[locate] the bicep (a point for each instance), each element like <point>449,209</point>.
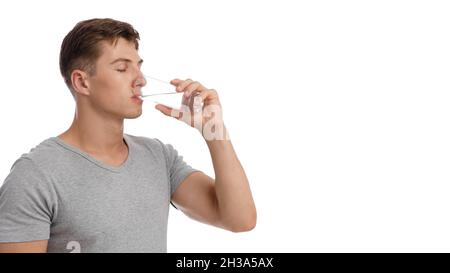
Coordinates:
<point>196,197</point>
<point>24,247</point>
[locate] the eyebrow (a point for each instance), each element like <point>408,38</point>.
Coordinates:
<point>125,60</point>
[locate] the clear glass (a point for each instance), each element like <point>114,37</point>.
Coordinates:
<point>161,91</point>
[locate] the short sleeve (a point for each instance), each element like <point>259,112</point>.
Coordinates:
<point>177,168</point>
<point>26,206</point>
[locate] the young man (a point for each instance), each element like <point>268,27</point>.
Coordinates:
<point>94,188</point>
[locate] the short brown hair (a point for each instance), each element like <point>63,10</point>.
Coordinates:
<point>80,50</point>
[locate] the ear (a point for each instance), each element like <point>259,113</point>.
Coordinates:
<point>80,82</point>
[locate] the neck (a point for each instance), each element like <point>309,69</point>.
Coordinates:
<point>95,132</point>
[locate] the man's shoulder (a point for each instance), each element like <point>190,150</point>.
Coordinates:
<point>144,142</point>
<point>44,155</point>
<point>155,146</point>
<point>37,163</point>
<point>45,150</point>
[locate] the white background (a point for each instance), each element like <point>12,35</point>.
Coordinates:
<point>338,110</point>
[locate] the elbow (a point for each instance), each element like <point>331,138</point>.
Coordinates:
<point>244,226</point>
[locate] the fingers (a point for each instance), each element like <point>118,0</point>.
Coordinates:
<point>183,84</point>
<point>175,82</point>
<point>193,87</point>
<point>208,94</point>
<point>168,111</point>
<point>190,87</point>
<point>187,86</point>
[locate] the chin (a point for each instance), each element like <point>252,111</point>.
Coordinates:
<point>133,115</point>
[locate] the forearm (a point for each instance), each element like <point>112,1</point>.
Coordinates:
<point>235,202</point>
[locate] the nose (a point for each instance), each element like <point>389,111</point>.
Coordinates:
<point>140,80</point>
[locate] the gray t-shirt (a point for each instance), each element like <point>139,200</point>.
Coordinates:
<point>60,193</point>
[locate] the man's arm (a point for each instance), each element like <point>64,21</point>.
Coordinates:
<point>225,202</point>
<point>25,247</point>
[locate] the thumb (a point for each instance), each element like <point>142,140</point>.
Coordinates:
<point>168,111</point>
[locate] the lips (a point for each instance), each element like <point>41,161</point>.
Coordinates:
<point>136,98</point>
<point>136,94</point>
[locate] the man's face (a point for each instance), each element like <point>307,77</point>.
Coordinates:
<point>117,80</point>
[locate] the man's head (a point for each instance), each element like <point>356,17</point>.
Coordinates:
<point>100,64</point>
